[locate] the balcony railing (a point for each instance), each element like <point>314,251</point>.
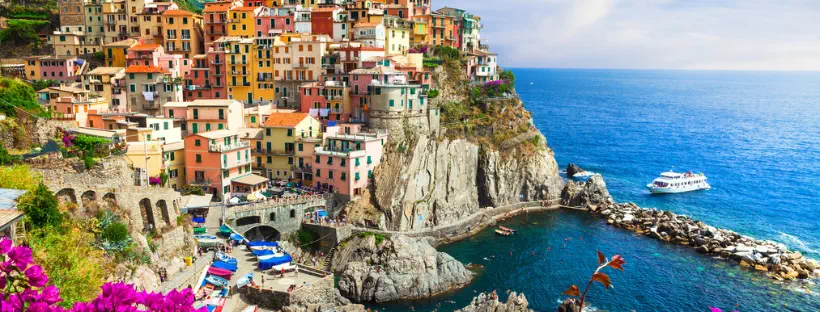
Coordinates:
<point>218,62</point>
<point>302,169</point>
<point>277,152</point>
<point>301,65</point>
<point>241,84</point>
<point>227,148</point>
<point>239,62</point>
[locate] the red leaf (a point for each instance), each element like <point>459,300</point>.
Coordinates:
<point>601,258</point>
<point>573,291</point>
<point>617,262</point>
<point>602,278</point>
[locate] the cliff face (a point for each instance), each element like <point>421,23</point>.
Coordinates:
<point>439,182</point>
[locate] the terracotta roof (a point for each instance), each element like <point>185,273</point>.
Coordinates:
<point>143,69</point>
<point>363,24</point>
<point>217,7</point>
<point>144,47</point>
<point>244,8</point>
<point>285,120</point>
<point>177,13</point>
<point>324,10</point>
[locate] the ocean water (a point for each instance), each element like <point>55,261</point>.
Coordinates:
<point>756,135</point>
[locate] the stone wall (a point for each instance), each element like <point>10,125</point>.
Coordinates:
<point>319,292</point>
<point>265,298</point>
<point>328,236</point>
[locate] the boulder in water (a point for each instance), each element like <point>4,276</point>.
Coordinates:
<point>572,169</point>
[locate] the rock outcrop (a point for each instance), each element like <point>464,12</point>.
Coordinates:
<point>570,305</point>
<point>592,193</point>
<point>572,169</point>
<point>489,303</point>
<point>427,182</point>
<point>398,267</point>
<point>326,308</point>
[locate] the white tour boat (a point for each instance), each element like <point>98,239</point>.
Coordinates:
<point>674,182</point>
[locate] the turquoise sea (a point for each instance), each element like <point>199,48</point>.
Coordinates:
<point>756,135</point>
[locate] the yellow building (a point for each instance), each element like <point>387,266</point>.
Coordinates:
<point>145,156</point>
<point>241,21</point>
<point>183,33</point>
<point>420,32</point>
<point>397,35</point>
<point>286,134</point>
<point>33,67</point>
<point>174,163</point>
<point>115,52</point>
<point>249,68</point>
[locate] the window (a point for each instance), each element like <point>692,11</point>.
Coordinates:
<point>197,142</point>
<point>330,174</point>
<point>318,173</point>
<point>391,102</point>
<point>269,159</point>
<point>318,159</point>
<point>196,113</point>
<point>198,158</point>
<point>369,161</point>
<point>300,147</point>
<point>293,213</point>
<point>165,126</point>
<point>357,162</point>
<point>253,119</point>
<point>329,160</point>
<point>344,176</point>
<point>343,162</point>
<point>267,131</point>
<point>357,176</point>
<point>226,189</point>
<point>224,174</point>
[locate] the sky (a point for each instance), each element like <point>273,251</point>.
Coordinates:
<point>651,34</point>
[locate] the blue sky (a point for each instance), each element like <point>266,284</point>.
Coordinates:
<point>651,34</point>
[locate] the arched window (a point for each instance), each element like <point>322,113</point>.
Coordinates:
<point>272,217</point>
<point>293,213</point>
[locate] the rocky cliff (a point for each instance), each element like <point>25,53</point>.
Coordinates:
<point>383,269</point>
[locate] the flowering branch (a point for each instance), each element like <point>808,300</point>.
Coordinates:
<point>616,262</point>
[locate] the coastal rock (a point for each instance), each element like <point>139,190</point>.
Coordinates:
<point>570,305</point>
<point>591,193</point>
<point>325,308</point>
<point>572,169</point>
<point>399,267</point>
<point>489,303</point>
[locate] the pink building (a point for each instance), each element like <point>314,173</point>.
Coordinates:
<point>328,101</point>
<point>60,68</point>
<point>272,21</point>
<point>206,115</point>
<point>346,162</point>
<point>146,54</point>
<point>220,163</point>
<point>352,55</point>
<point>206,79</point>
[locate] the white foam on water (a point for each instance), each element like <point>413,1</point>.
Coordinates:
<point>799,244</point>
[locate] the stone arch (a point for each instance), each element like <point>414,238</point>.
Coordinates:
<point>163,208</point>
<point>147,212</point>
<point>272,217</point>
<point>248,220</point>
<point>264,233</point>
<point>88,196</point>
<point>111,198</point>
<point>66,195</point>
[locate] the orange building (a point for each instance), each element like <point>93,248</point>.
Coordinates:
<point>183,33</point>
<point>220,163</point>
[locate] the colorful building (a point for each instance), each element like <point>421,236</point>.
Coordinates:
<point>150,21</point>
<point>249,68</point>
<point>397,35</point>
<point>215,20</point>
<point>115,21</point>
<point>109,83</point>
<point>60,68</point>
<point>346,161</point>
<point>298,59</point>
<point>220,163</point>
<point>241,21</point>
<point>116,52</point>
<point>183,33</point>
<point>206,115</point>
<point>150,87</point>
<point>72,102</point>
<point>329,101</point>
<point>369,34</point>
<point>173,161</point>
<point>322,19</point>
<point>94,29</point>
<point>285,135</point>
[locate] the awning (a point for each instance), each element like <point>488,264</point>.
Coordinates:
<point>250,179</point>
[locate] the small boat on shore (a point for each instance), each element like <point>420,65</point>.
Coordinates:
<point>674,182</point>
<point>502,232</point>
<point>506,229</point>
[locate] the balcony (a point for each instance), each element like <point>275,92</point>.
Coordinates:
<point>234,72</point>
<point>239,62</point>
<point>218,62</point>
<point>301,65</point>
<point>241,84</point>
<point>186,37</point>
<point>278,152</point>
<point>218,21</point>
<point>150,106</point>
<point>220,148</point>
<point>302,169</point>
<point>264,78</point>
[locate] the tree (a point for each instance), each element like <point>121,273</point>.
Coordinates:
<point>508,77</point>
<point>42,84</point>
<point>115,232</point>
<point>40,206</point>
<point>5,158</point>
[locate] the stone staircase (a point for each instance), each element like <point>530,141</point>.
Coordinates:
<point>328,258</point>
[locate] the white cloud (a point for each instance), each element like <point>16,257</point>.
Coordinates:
<point>686,34</point>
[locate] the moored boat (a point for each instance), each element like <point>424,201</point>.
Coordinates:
<point>513,231</point>
<point>502,232</point>
<point>674,182</point>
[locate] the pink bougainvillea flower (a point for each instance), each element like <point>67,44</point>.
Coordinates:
<point>20,256</point>
<point>36,276</point>
<point>5,246</point>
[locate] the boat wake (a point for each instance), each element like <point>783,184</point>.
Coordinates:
<point>797,243</point>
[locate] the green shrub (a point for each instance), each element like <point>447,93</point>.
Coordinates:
<point>16,93</point>
<point>5,158</point>
<point>88,161</point>
<point>40,206</point>
<point>115,232</point>
<point>191,190</point>
<point>433,93</point>
<point>379,237</point>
